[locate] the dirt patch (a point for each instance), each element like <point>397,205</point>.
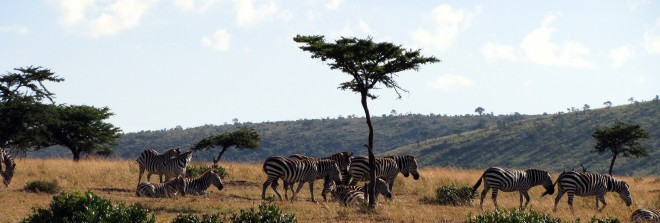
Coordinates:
<point>114,189</point>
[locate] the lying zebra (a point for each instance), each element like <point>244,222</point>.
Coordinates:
<point>355,195</point>
<point>199,185</point>
<point>163,190</point>
<point>645,216</point>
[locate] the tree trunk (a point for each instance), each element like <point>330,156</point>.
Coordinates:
<point>372,159</point>
<point>76,155</point>
<point>215,161</point>
<point>612,164</point>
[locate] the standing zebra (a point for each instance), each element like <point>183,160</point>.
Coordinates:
<point>199,185</point>
<point>341,192</point>
<point>291,171</point>
<point>343,159</point>
<point>164,190</point>
<point>385,167</point>
<point>590,184</point>
<point>8,173</point>
<point>645,216</point>
<point>154,163</point>
<point>509,180</point>
<point>177,166</point>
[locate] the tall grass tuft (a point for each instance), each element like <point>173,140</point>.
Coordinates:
<point>451,195</point>
<point>268,212</point>
<point>42,186</point>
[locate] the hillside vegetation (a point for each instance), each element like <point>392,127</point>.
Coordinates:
<point>550,141</point>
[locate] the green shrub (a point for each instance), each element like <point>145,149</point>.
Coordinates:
<point>268,212</point>
<point>188,218</point>
<point>198,170</point>
<point>42,186</point>
<point>78,207</point>
<point>512,216</point>
<point>454,195</point>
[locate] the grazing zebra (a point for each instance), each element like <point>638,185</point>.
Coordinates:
<point>177,166</point>
<point>199,185</point>
<point>343,159</point>
<point>164,190</point>
<point>154,163</point>
<point>8,173</point>
<point>341,192</point>
<point>291,171</point>
<point>509,180</point>
<point>645,216</point>
<point>590,184</point>
<point>386,168</point>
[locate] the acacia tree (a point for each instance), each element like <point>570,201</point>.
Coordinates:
<point>81,129</point>
<point>621,139</point>
<point>369,64</point>
<point>479,110</point>
<point>241,139</point>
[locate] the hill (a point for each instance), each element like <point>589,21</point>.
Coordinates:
<point>554,142</point>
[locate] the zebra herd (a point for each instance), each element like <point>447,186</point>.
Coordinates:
<point>341,173</point>
<point>172,164</point>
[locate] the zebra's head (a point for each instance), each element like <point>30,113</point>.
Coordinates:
<point>623,189</point>
<point>408,165</point>
<point>383,188</point>
<point>216,179</point>
<point>541,177</point>
<point>173,152</point>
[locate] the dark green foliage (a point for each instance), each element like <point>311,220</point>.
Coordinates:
<point>452,195</point>
<point>622,138</point>
<point>194,171</point>
<point>189,218</point>
<point>268,212</point>
<point>242,138</point>
<point>87,207</point>
<point>512,216</point>
<point>42,186</point>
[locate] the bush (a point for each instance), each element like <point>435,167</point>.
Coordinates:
<point>454,195</point>
<point>268,212</point>
<point>198,170</point>
<point>77,207</point>
<point>512,216</point>
<point>42,186</point>
<point>188,218</point>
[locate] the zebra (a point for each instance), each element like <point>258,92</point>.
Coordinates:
<point>153,162</point>
<point>343,159</point>
<point>341,192</point>
<point>590,184</point>
<point>509,180</point>
<point>645,216</point>
<point>163,190</point>
<point>291,171</point>
<point>177,166</point>
<point>10,165</point>
<point>199,185</point>
<point>352,198</point>
<point>386,168</point>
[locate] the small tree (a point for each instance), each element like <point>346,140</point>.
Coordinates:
<point>608,104</point>
<point>585,108</point>
<point>369,64</point>
<point>479,110</point>
<point>242,138</point>
<point>621,139</point>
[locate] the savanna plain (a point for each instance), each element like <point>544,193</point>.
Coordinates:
<point>117,179</point>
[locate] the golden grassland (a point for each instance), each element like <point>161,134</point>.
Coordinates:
<point>117,179</point>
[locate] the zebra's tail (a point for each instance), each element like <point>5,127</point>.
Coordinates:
<point>476,186</point>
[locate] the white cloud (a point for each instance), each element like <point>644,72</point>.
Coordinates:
<point>333,4</point>
<point>185,5</point>
<point>248,15</point>
<point>102,18</point>
<point>636,4</point>
<point>447,24</point>
<point>450,81</point>
<point>363,29</point>
<point>219,40</point>
<point>493,52</point>
<point>539,49</point>
<point>620,55</point>
<point>652,38</point>
<point>197,5</point>
<point>14,29</point>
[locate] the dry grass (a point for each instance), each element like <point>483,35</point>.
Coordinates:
<point>116,180</point>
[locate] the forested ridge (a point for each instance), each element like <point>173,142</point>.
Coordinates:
<point>550,141</point>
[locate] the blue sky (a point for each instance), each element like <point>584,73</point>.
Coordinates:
<point>158,64</point>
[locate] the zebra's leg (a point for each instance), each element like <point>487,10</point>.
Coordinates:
<point>602,199</point>
<point>286,190</point>
<point>140,176</point>
<point>300,185</point>
<point>495,189</point>
<point>483,195</point>
<point>560,193</point>
<point>149,176</point>
<point>274,186</point>
<point>311,189</point>
<point>526,195</point>
<point>571,195</point>
<point>268,182</point>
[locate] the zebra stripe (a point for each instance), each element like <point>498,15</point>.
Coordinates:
<point>163,190</point>
<point>199,185</point>
<point>407,165</point>
<point>343,159</point>
<point>292,171</point>
<point>341,192</point>
<point>509,180</point>
<point>385,168</point>
<point>10,165</point>
<point>177,166</point>
<point>645,216</point>
<point>352,198</point>
<point>154,163</point>
<point>590,184</point>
